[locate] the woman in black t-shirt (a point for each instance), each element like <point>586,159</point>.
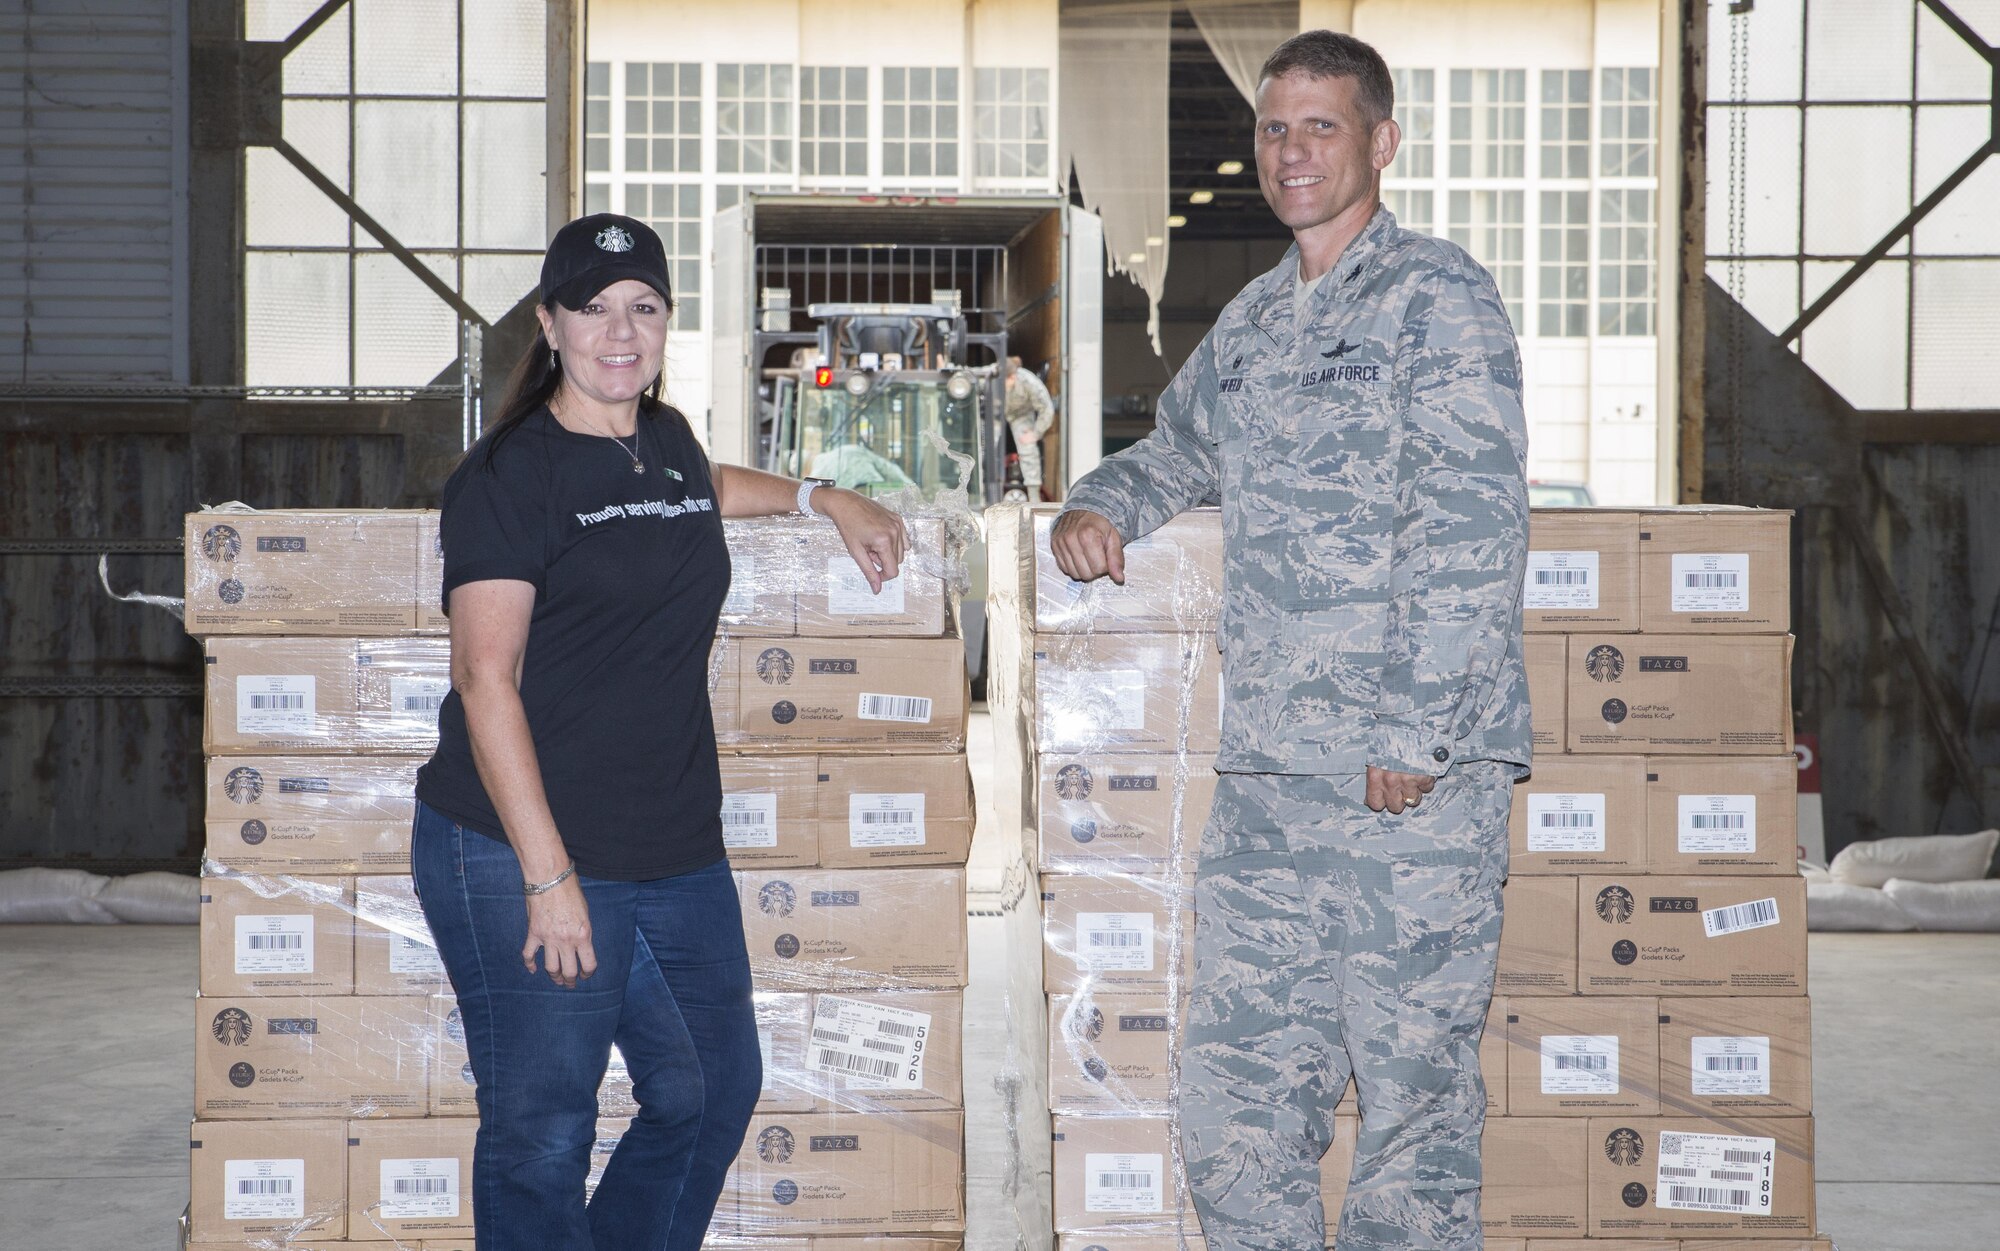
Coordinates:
<point>568,841</point>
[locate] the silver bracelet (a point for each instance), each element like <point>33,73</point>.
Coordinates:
<point>806,488</point>
<point>543,888</point>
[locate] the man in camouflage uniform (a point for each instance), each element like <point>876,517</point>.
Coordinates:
<point>1030,413</point>
<point>1357,412</point>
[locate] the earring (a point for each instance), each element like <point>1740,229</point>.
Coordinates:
<point>553,363</point>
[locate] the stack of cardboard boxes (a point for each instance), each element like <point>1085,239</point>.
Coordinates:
<point>1649,1033</point>
<point>334,1100</point>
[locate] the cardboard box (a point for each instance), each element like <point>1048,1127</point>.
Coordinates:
<point>1535,1176</point>
<point>862,1051</point>
<point>1757,1244</point>
<point>770,811</point>
<point>846,695</point>
<point>277,936</point>
<point>1537,936</point>
<point>824,1172</point>
<point>269,1179</point>
<point>1583,570</point>
<point>1112,932</point>
<point>1578,1057</point>
<point>431,618</point>
<point>1681,694</point>
<point>1579,814</point>
<point>306,571</point>
<point>886,811</point>
<point>1686,1176</point>
<point>834,599</point>
<point>410,1178</point>
<point>1608,1244</point>
<point>854,929</point>
<point>1106,811</point>
<point>454,1090</point>
<point>1691,936</point>
<point>264,1059</point>
<point>1135,1155</point>
<point>1715,569</point>
<point>1736,1057</point>
<point>764,573</point>
<point>326,815</point>
<point>1722,814</point>
<point>1143,1242</point>
<point>1108,1055</point>
<point>394,953</point>
<point>324,695</point>
<point>1547,658</point>
<point>1173,581</point>
<point>1096,693</point>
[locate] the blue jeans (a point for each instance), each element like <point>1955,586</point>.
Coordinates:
<point>672,989</point>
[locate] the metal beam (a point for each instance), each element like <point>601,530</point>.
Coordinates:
<point>1691,239</point>
<point>1931,426</point>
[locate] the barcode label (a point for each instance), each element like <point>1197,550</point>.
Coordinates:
<point>1708,582</point>
<point>1579,1064</point>
<point>914,709</point>
<point>1565,823</point>
<point>890,819</point>
<point>1755,915</point>
<point>847,593</point>
<point>870,1045</point>
<point>1561,580</point>
<point>415,1189</point>
<point>1114,942</point>
<point>1716,1173</point>
<point>1079,709</point>
<point>260,1190</point>
<point>1714,825</point>
<point>413,954</point>
<point>277,704</point>
<point>1121,1182</point>
<point>749,819</point>
<point>417,699</point>
<point>742,598</point>
<point>267,944</point>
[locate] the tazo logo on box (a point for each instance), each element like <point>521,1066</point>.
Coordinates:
<point>1147,1024</point>
<point>1663,664</point>
<point>1673,903</point>
<point>1135,782</point>
<point>836,899</point>
<point>774,666</point>
<point>1604,663</point>
<point>834,1142</point>
<point>1624,1147</point>
<point>281,543</point>
<point>833,666</point>
<point>1614,904</point>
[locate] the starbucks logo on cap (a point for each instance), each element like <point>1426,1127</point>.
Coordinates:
<point>614,239</point>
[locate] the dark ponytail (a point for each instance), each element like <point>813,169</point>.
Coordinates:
<point>536,378</point>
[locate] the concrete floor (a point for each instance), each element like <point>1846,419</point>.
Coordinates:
<point>96,1031</point>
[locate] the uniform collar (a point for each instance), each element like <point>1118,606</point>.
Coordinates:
<point>1272,312</point>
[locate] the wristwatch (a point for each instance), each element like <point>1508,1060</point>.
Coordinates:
<point>806,488</point>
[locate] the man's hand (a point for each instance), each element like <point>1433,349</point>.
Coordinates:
<point>1087,546</point>
<point>1396,791</point>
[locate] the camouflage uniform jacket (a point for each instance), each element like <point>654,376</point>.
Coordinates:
<point>1371,471</point>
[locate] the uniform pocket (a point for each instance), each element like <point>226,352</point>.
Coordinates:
<point>1340,484</point>
<point>1447,937</point>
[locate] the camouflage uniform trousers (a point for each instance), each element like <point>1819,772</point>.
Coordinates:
<point>1028,443</point>
<point>1331,940</point>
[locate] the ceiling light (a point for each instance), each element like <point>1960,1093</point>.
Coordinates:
<point>1230,167</point>
<point>1137,258</point>
<point>1176,221</point>
<point>1200,197</point>
<point>1155,241</point>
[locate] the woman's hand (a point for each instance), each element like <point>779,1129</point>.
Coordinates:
<point>875,537</point>
<point>559,927</point>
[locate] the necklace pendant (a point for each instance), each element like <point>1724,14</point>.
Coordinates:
<point>637,467</point>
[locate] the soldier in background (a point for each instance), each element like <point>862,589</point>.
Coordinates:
<point>1357,410</point>
<point>1030,413</point>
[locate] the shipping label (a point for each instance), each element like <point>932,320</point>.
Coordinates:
<point>1561,580</point>
<point>263,1190</point>
<point>749,819</point>
<point>1718,824</point>
<point>1558,822</point>
<point>1754,915</point>
<point>1730,1064</point>
<point>409,953</point>
<point>276,704</point>
<point>419,1189</point>
<point>418,699</point>
<point>873,1046</point>
<point>1116,1181</point>
<point>1711,582</point>
<point>847,593</point>
<point>1114,942</point>
<point>1716,1173</point>
<point>885,819</point>
<point>1579,1064</point>
<point>914,709</point>
<point>267,943</point>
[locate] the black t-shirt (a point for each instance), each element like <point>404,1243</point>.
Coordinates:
<point>630,572</point>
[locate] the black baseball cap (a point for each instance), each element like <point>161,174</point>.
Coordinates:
<point>593,252</point>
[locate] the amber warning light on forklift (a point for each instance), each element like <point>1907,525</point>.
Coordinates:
<point>823,376</point>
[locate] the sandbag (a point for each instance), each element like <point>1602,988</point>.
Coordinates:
<point>1966,907</point>
<point>154,899</point>
<point>52,897</point>
<point>1836,906</point>
<point>1929,858</point>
